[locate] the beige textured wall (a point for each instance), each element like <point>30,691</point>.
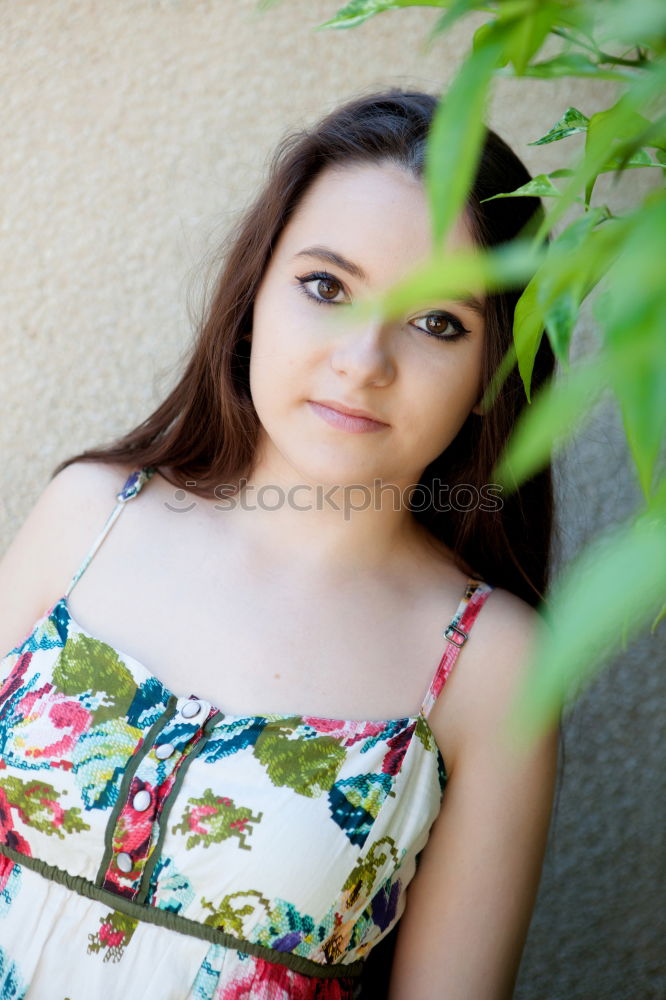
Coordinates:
<point>132,133</point>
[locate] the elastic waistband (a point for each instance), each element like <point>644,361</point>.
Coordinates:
<point>183,925</point>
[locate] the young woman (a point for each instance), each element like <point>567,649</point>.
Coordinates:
<point>235,757</point>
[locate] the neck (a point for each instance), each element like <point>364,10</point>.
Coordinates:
<point>333,529</point>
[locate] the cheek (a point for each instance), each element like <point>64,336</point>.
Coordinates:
<point>281,329</point>
<point>277,367</point>
<point>445,405</point>
<point>285,356</point>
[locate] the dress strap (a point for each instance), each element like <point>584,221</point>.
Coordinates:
<point>457,633</point>
<point>132,486</point>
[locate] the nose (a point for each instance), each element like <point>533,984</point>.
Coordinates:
<point>365,353</point>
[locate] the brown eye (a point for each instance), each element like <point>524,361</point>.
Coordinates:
<point>436,324</point>
<point>328,288</point>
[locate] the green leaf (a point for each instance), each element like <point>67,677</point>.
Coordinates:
<point>358,11</point>
<point>513,10</point>
<point>552,418</point>
<point>529,29</point>
<point>633,316</point>
<point>611,131</point>
<point>573,264</point>
<point>642,91</point>
<point>641,393</point>
<point>660,617</point>
<point>572,121</point>
<point>573,235</point>
<point>559,407</point>
<point>561,315</point>
<point>633,23</point>
<point>611,590</point>
<point>455,275</point>
<point>540,186</point>
<point>636,281</point>
<point>456,136</point>
<point>640,158</point>
<point>573,64</point>
<point>528,324</point>
<point>653,135</point>
<point>456,10</point>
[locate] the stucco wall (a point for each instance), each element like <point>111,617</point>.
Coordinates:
<point>132,134</point>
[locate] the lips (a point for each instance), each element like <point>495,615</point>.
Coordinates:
<point>348,410</point>
<point>346,422</point>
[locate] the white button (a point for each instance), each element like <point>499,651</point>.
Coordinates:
<point>124,862</point>
<point>164,750</point>
<point>190,709</point>
<point>141,800</point>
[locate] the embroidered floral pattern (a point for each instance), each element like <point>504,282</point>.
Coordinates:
<point>303,761</point>
<point>10,882</point>
<point>12,984</point>
<point>212,818</point>
<point>114,934</point>
<point>36,803</point>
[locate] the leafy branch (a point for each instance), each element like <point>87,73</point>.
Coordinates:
<point>618,583</point>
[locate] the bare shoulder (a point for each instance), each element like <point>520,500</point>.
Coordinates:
<point>488,673</point>
<point>76,502</point>
<point>53,540</point>
<point>86,486</point>
<point>505,627</point>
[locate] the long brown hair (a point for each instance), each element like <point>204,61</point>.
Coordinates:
<point>206,430</point>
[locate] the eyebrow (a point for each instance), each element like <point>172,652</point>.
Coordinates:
<point>337,260</point>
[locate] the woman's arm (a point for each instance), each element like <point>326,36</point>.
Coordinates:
<point>469,906</point>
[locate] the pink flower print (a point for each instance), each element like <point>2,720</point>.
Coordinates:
<point>198,812</point>
<point>15,679</point>
<point>398,745</point>
<point>113,936</point>
<point>277,982</point>
<point>8,835</point>
<point>246,988</point>
<point>6,869</point>
<point>347,731</point>
<point>210,819</point>
<point>51,726</point>
<point>110,937</point>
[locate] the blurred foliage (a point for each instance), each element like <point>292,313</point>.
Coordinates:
<point>617,584</point>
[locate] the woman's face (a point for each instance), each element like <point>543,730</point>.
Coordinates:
<point>420,373</point>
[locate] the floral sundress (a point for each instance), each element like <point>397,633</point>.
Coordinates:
<point>153,847</point>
